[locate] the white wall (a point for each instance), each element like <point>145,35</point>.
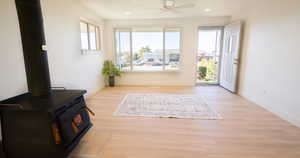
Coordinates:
<point>271,58</point>
<point>12,72</point>
<point>68,67</point>
<point>187,74</point>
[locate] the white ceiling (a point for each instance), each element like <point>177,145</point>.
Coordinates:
<point>144,9</point>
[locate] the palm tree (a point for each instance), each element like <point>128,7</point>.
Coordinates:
<point>144,50</point>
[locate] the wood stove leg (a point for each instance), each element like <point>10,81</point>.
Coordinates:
<point>2,155</point>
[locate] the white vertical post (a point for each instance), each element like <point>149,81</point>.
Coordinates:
<point>164,49</point>
<point>131,51</point>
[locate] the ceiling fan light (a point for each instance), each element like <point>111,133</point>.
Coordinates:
<point>169,3</point>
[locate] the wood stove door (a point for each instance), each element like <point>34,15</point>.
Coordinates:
<point>73,122</point>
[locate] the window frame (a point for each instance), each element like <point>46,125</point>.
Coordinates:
<point>98,33</point>
<point>129,29</point>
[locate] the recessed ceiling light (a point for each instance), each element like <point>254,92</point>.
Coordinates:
<point>207,10</point>
<point>127,13</point>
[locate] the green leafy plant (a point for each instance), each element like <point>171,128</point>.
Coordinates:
<point>110,69</point>
<point>211,69</point>
<point>202,72</point>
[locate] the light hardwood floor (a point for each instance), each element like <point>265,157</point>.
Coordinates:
<point>246,131</point>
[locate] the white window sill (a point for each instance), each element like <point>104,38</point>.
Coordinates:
<point>91,52</point>
<point>150,71</point>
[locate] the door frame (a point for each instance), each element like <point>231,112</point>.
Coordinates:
<point>220,56</point>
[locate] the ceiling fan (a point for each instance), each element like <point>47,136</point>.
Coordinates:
<point>171,6</point>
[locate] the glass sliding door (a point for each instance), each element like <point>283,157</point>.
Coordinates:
<point>208,55</point>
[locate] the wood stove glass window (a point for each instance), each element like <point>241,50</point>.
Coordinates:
<point>90,36</point>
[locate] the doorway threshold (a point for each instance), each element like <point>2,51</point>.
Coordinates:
<point>207,84</point>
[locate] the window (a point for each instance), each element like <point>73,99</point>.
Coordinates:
<point>148,49</point>
<point>90,36</point>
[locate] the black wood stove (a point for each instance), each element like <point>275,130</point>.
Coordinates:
<point>43,123</point>
<point>43,127</point>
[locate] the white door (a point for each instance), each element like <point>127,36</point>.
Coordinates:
<point>230,56</point>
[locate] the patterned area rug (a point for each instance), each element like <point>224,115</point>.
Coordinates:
<point>166,105</point>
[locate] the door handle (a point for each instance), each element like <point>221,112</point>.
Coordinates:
<point>236,61</point>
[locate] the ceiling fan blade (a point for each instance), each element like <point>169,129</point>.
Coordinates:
<point>151,8</point>
<point>185,6</point>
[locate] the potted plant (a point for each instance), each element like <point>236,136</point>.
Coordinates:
<point>202,72</point>
<point>110,71</point>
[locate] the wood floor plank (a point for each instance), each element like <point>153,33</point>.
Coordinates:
<point>246,131</point>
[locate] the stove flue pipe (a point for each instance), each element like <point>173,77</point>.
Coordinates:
<point>34,46</point>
